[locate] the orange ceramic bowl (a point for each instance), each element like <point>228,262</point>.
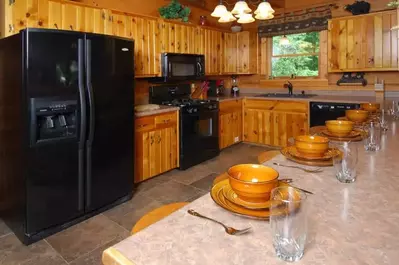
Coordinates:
<point>253,183</point>
<point>311,146</point>
<point>371,107</point>
<point>356,115</point>
<point>339,128</point>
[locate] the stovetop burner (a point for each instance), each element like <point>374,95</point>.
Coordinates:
<point>183,102</point>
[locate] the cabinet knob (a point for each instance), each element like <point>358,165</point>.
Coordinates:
<point>27,14</point>
<point>40,23</point>
<point>55,25</point>
<point>70,26</point>
<point>11,28</point>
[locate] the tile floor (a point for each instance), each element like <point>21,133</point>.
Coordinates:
<point>84,242</point>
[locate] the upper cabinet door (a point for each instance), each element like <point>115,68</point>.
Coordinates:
<point>72,17</point>
<point>97,20</point>
<point>363,43</point>
<point>247,60</point>
<point>213,42</point>
<point>229,50</point>
<point>178,38</point>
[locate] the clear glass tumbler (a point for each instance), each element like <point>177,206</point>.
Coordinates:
<point>372,142</point>
<point>288,220</point>
<point>383,121</point>
<point>346,163</point>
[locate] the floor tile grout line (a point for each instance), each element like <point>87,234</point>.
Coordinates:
<point>115,222</point>
<point>59,254</point>
<point>10,233</point>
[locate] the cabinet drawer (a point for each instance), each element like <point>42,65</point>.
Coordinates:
<point>168,118</point>
<point>260,104</point>
<point>230,106</point>
<point>145,123</point>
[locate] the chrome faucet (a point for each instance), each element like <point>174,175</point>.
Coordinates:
<point>290,87</point>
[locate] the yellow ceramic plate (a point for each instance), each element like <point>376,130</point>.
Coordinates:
<point>231,196</point>
<point>219,198</point>
<point>352,134</point>
<point>331,153</point>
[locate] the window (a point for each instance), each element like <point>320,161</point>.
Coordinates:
<point>299,58</point>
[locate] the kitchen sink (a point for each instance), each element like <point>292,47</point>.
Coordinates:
<point>286,95</point>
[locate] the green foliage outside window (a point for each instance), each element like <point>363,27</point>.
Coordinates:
<point>300,57</point>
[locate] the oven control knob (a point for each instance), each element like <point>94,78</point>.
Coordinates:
<point>190,110</point>
<point>195,110</point>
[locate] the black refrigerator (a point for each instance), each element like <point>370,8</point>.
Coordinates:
<point>66,130</point>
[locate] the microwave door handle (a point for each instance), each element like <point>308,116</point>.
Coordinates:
<point>199,67</point>
<point>170,69</point>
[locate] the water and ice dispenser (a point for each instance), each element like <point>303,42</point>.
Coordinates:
<point>52,119</point>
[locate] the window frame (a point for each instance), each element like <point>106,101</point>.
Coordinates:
<point>271,56</point>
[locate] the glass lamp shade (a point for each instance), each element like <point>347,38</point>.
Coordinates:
<point>284,41</point>
<point>264,8</point>
<point>261,16</point>
<point>227,17</point>
<point>241,7</point>
<point>246,18</point>
<point>219,11</point>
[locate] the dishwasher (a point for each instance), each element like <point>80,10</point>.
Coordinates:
<point>320,112</point>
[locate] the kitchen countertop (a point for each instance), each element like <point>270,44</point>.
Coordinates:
<point>162,109</point>
<point>322,98</point>
<point>353,223</point>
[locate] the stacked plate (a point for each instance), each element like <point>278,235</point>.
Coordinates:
<point>325,160</point>
<point>223,195</point>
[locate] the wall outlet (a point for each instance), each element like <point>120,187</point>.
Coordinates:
<point>236,139</point>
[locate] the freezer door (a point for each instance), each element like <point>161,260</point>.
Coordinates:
<point>54,186</point>
<point>110,97</point>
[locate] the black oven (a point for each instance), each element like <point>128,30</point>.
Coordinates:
<point>199,127</point>
<point>177,67</point>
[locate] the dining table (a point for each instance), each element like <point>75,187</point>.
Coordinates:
<point>348,223</point>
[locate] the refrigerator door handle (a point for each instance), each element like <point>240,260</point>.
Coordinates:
<point>82,134</point>
<point>91,123</point>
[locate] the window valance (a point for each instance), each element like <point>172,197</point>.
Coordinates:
<point>314,19</point>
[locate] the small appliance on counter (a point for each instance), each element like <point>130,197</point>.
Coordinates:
<point>216,88</point>
<point>199,123</point>
<point>235,91</point>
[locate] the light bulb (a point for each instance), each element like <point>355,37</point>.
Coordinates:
<point>219,11</point>
<point>241,7</point>
<point>246,18</point>
<point>226,18</point>
<point>284,41</point>
<point>264,17</point>
<point>264,8</point>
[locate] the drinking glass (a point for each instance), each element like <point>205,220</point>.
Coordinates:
<point>345,164</point>
<point>383,121</point>
<point>373,136</point>
<point>288,220</point>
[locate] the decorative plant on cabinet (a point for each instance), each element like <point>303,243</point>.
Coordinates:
<point>175,10</point>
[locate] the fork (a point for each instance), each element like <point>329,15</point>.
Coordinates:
<point>229,230</point>
<point>317,170</point>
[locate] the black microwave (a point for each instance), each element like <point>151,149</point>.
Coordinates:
<point>177,66</point>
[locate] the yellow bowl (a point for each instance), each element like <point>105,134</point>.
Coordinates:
<point>251,182</point>
<point>339,128</point>
<point>356,115</point>
<point>371,107</point>
<point>311,146</point>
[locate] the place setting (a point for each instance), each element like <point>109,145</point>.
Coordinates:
<point>310,150</point>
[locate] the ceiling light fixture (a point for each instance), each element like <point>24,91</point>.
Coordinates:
<point>242,11</point>
<point>227,17</point>
<point>220,10</point>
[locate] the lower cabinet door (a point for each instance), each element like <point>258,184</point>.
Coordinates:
<point>156,152</point>
<point>288,125</point>
<point>258,126</point>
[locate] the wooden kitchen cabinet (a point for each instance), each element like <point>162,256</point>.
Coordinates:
<point>363,43</point>
<point>229,50</point>
<point>273,122</point>
<point>213,55</point>
<point>156,145</point>
<point>179,38</point>
<point>239,53</point>
<point>230,123</point>
<point>247,52</point>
